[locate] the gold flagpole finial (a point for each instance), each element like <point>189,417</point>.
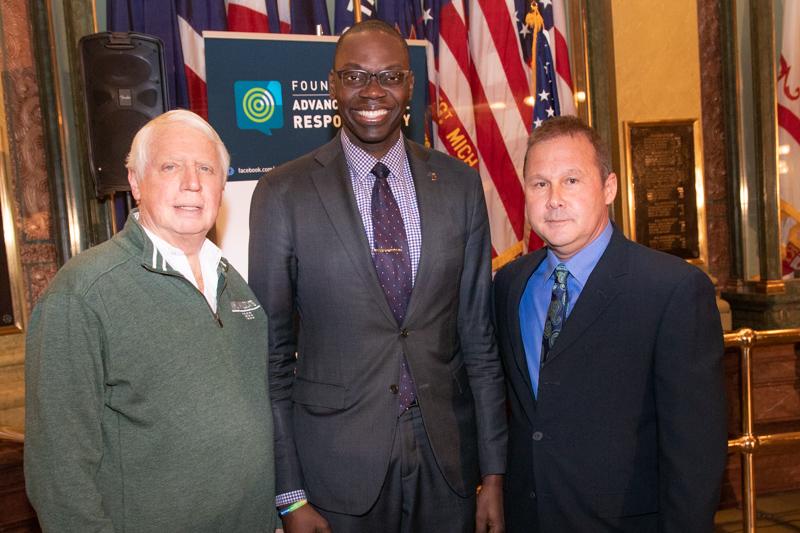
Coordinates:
<point>356,11</point>
<point>535,22</point>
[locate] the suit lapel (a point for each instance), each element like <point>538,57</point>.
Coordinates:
<point>513,325</point>
<point>604,284</point>
<point>428,199</point>
<point>332,181</point>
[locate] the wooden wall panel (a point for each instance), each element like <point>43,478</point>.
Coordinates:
<point>16,514</point>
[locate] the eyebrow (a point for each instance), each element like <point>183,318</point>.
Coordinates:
<point>573,171</point>
<point>356,66</point>
<point>183,159</point>
<point>569,171</point>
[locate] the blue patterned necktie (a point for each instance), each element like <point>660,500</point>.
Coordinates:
<point>557,312</point>
<point>392,264</point>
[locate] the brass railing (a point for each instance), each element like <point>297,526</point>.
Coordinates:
<point>749,443</point>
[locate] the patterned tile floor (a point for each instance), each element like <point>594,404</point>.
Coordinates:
<point>777,513</point>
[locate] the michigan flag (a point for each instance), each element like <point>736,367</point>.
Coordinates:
<point>789,136</point>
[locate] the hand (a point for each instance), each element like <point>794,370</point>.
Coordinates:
<point>305,520</point>
<point>489,506</point>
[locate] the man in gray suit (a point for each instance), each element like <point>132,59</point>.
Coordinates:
<point>372,258</point>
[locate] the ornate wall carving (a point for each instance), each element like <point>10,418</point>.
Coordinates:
<point>28,163</point>
<point>29,190</point>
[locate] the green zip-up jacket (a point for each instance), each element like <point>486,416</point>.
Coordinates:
<point>146,410</point>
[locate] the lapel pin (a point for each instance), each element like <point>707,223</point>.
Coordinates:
<point>434,177</point>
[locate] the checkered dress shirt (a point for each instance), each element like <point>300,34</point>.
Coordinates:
<point>360,164</point>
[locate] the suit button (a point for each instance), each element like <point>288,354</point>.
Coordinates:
<point>394,389</point>
<point>404,333</point>
<point>532,495</point>
<point>537,435</point>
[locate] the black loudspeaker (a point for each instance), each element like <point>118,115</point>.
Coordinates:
<point>125,85</point>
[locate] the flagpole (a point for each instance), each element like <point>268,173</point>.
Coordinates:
<point>357,11</point>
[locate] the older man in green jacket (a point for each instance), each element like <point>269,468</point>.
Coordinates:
<point>147,404</point>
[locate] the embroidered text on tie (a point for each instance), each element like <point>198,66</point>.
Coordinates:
<point>392,263</point>
<point>557,312</point>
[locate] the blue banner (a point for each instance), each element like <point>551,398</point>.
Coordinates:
<point>268,98</point>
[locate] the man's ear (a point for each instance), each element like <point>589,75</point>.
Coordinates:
<point>610,188</point>
<point>134,183</point>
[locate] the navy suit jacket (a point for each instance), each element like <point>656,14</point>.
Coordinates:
<point>335,405</point>
<point>628,432</point>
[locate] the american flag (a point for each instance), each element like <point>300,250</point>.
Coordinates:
<point>481,86</point>
<point>258,16</point>
<point>551,48</point>
<point>250,16</point>
<point>345,16</point>
<point>405,16</point>
<point>545,93</point>
<point>194,17</point>
<point>484,96</point>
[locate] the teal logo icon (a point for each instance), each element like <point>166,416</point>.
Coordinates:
<point>259,105</point>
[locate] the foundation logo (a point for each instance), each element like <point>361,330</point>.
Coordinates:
<point>259,105</point>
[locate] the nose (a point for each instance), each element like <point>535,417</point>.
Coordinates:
<point>555,199</point>
<point>190,179</point>
<point>372,89</point>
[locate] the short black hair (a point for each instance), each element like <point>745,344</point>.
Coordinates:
<point>371,25</point>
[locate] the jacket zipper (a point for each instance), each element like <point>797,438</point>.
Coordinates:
<point>214,314</point>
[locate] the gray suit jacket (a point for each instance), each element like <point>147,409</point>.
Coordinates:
<point>334,407</point>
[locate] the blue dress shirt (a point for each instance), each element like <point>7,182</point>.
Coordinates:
<point>536,297</point>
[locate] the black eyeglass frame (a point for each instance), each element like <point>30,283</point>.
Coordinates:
<point>370,75</point>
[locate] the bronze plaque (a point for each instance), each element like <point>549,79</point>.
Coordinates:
<point>662,169</point>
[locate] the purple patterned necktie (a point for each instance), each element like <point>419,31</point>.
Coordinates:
<point>392,263</point>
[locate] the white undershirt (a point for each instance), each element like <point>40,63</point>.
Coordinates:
<point>210,256</point>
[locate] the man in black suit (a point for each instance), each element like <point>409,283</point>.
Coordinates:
<point>372,258</point>
<point>613,360</point>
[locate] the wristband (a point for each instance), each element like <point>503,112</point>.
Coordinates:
<point>295,506</point>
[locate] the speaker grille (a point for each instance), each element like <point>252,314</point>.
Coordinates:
<point>122,69</point>
<point>124,82</point>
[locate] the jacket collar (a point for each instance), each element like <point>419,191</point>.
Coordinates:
<point>603,285</point>
<point>133,238</point>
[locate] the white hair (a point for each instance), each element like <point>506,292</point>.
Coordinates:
<point>138,156</point>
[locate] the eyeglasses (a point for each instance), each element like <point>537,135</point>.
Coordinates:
<point>360,78</point>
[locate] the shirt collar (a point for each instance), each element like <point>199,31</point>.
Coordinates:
<point>581,264</point>
<point>210,254</point>
<point>360,162</point>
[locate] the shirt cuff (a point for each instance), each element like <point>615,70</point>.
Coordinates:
<point>288,498</point>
